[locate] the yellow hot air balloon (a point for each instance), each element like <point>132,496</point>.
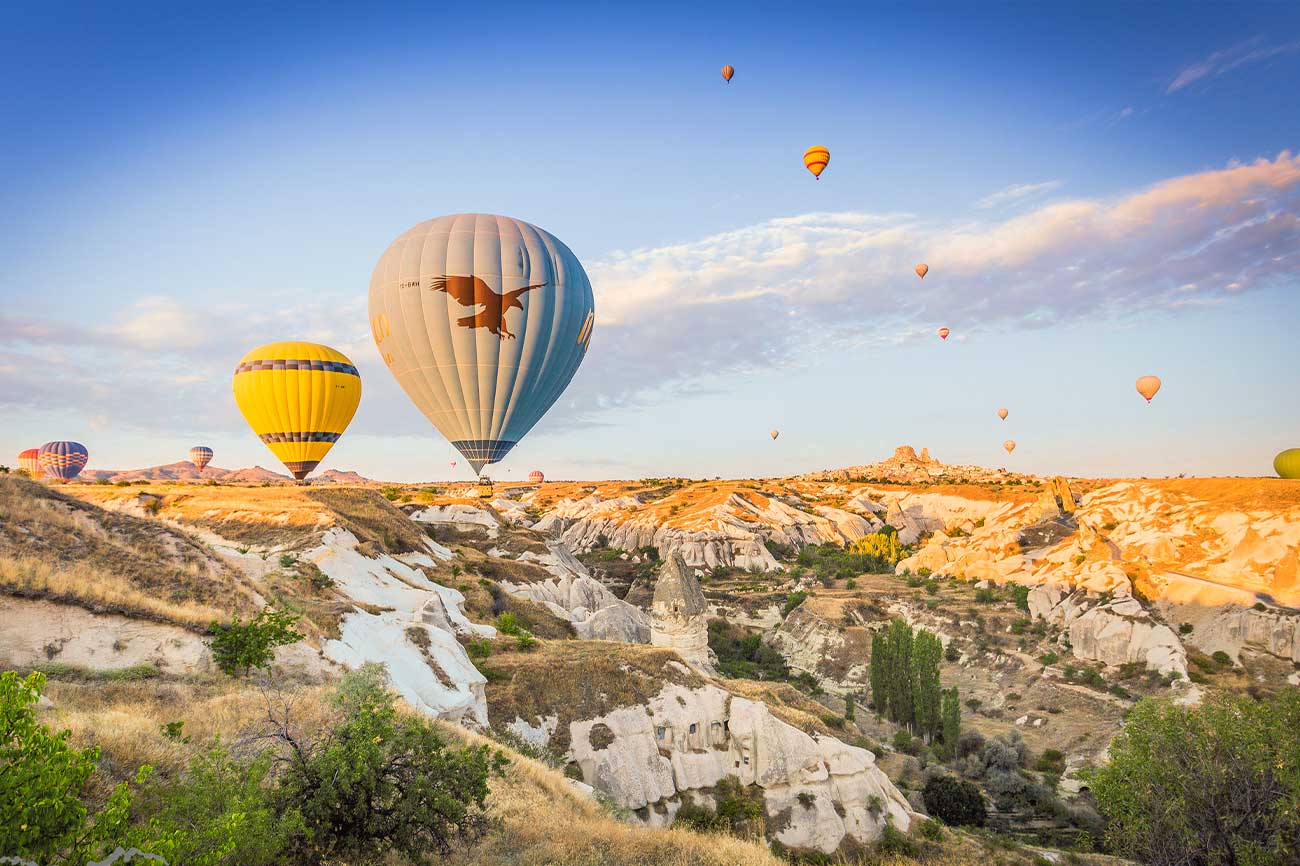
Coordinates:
<point>1147,386</point>
<point>298,398</point>
<point>1010,445</point>
<point>1003,413</point>
<point>815,159</point>
<point>922,269</point>
<point>728,71</point>
<point>776,433</point>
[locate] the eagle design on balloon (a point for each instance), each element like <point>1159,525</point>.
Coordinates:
<point>471,291</point>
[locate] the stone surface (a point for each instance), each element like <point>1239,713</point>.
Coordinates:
<point>679,615</point>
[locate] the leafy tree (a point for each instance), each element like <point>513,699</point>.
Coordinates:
<point>899,672</point>
<point>879,687</point>
<point>381,781</point>
<point>241,646</point>
<point>927,649</point>
<point>1214,785</point>
<point>850,707</point>
<point>954,800</point>
<point>950,715</point>
<point>42,813</point>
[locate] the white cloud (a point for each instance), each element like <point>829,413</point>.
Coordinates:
<point>1017,193</point>
<point>1220,62</point>
<point>695,314</point>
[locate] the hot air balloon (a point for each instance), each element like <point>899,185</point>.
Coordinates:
<point>1287,463</point>
<point>451,463</point>
<point>298,397</point>
<point>63,460</point>
<point>943,333</point>
<point>30,462</point>
<point>727,72</point>
<point>483,320</point>
<point>1147,386</point>
<point>776,433</point>
<point>815,159</point>
<point>1002,413</point>
<point>536,476</point>
<point>922,269</point>
<point>1010,445</point>
<point>200,456</point>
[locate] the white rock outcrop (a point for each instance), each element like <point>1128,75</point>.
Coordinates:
<point>816,790</point>
<point>573,594</point>
<point>1114,632</point>
<point>679,615</point>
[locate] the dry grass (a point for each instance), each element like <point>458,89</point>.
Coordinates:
<point>100,591</point>
<point>58,547</point>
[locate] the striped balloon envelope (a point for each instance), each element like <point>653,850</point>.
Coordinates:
<point>483,320</point>
<point>536,476</point>
<point>815,159</point>
<point>63,460</point>
<point>299,398</point>
<point>29,461</point>
<point>200,456</point>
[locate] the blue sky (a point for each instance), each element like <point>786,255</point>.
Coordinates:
<point>1101,191</point>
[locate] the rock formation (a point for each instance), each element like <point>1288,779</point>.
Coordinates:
<point>816,790</point>
<point>906,467</point>
<point>679,615</point>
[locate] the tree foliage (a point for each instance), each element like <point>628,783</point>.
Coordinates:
<point>1212,785</point>
<point>904,681</point>
<point>241,646</point>
<point>954,800</point>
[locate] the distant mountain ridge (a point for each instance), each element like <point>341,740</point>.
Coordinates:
<point>184,470</point>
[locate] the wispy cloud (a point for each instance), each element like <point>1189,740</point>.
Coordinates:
<point>1220,62</point>
<point>1017,193</point>
<point>771,295</point>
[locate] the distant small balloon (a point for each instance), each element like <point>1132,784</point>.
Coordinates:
<point>536,476</point>
<point>451,463</point>
<point>943,333</point>
<point>200,456</point>
<point>1147,386</point>
<point>776,433</point>
<point>922,269</point>
<point>1010,445</point>
<point>1287,463</point>
<point>728,71</point>
<point>1002,413</point>
<point>815,159</point>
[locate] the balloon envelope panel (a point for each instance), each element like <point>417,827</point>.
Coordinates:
<point>483,320</point>
<point>30,461</point>
<point>63,460</point>
<point>298,398</point>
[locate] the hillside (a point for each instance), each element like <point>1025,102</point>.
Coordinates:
<point>667,643</point>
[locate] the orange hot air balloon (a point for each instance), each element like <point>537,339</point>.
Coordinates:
<point>1148,386</point>
<point>727,72</point>
<point>1010,445</point>
<point>776,433</point>
<point>943,333</point>
<point>1002,413</point>
<point>922,269</point>
<point>815,159</point>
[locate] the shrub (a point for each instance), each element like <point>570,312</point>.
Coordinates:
<point>524,641</point>
<point>851,583</point>
<point>1020,595</point>
<point>41,812</point>
<point>1051,761</point>
<point>1049,658</point>
<point>1221,778</point>
<point>381,782</point>
<point>985,595</point>
<point>508,624</point>
<point>288,560</point>
<point>240,647</point>
<point>1222,658</point>
<point>1185,628</point>
<point>951,653</point>
<point>792,601</point>
<point>479,649</point>
<point>742,655</point>
<point>955,801</point>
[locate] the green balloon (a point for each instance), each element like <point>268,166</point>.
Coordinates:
<point>1287,464</point>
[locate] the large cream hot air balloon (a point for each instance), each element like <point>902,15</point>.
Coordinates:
<point>815,159</point>
<point>1147,386</point>
<point>776,433</point>
<point>922,269</point>
<point>727,72</point>
<point>299,398</point>
<point>1002,413</point>
<point>483,320</point>
<point>1010,445</point>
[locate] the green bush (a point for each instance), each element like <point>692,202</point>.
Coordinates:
<point>508,624</point>
<point>382,782</point>
<point>525,642</point>
<point>792,601</point>
<point>955,801</point>
<point>1222,658</point>
<point>42,814</point>
<point>1222,778</point>
<point>240,647</point>
<point>479,649</point>
<point>742,655</point>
